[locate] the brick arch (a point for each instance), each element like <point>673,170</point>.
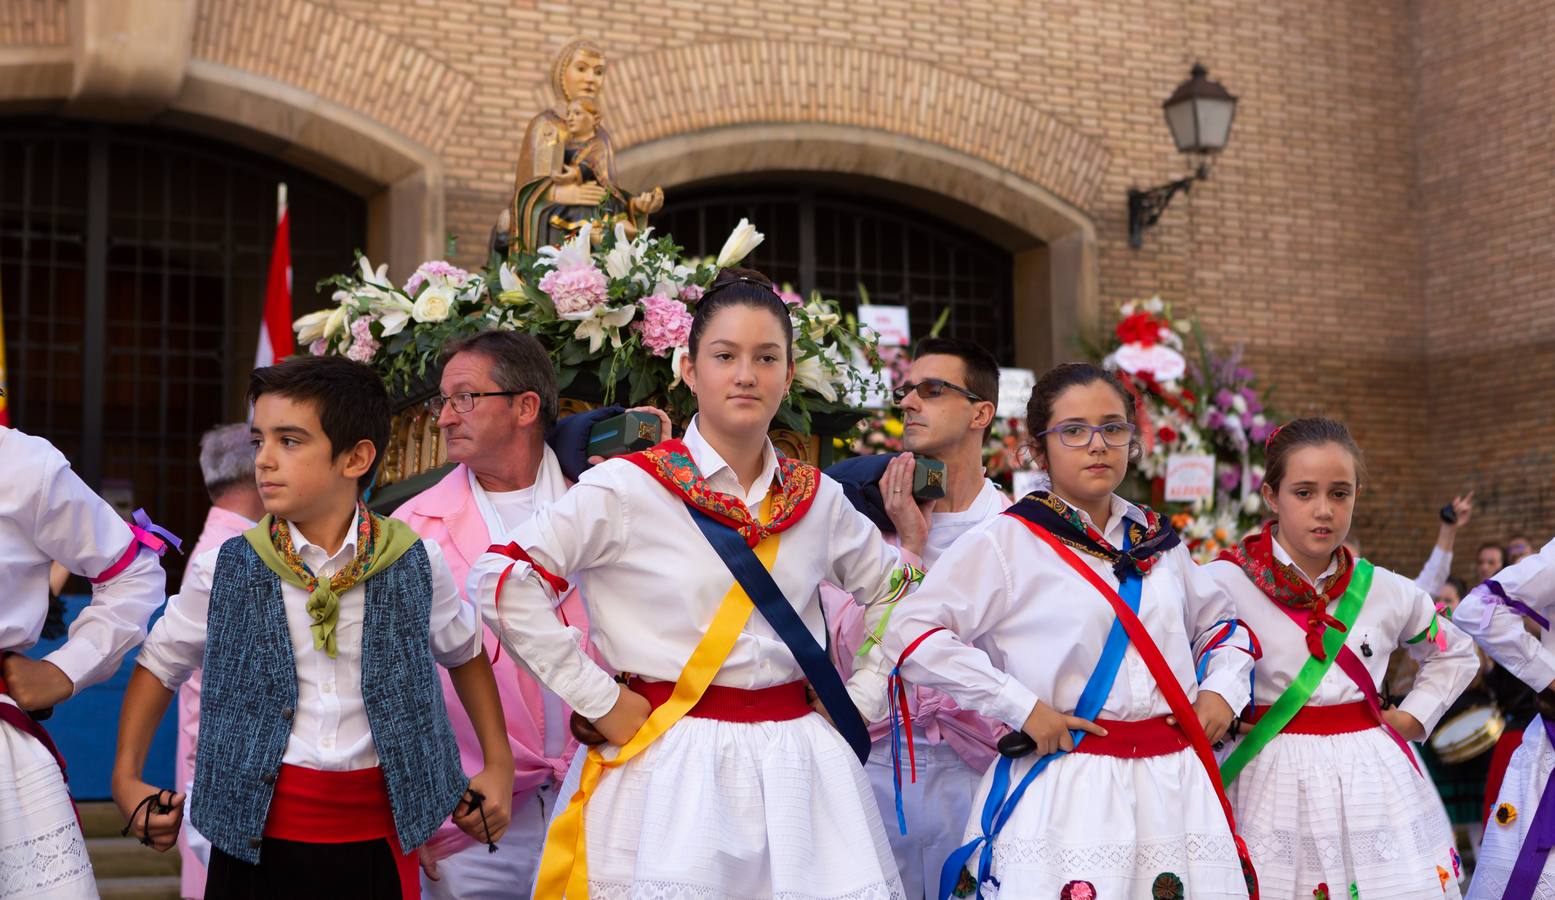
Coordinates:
<point>685,89</point>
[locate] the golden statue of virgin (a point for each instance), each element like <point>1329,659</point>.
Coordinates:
<point>565,174</point>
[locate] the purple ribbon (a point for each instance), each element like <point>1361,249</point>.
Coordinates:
<point>1498,595</point>
<point>1540,837</point>
<point>144,522</point>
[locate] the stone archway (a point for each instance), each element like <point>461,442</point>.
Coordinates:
<point>707,111</point>
<point>221,70</point>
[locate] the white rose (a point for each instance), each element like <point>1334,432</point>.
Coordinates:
<point>741,241</point>
<point>434,304</point>
<point>1154,305</point>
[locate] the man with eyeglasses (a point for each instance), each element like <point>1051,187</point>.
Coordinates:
<point>947,409</point>
<point>496,399</point>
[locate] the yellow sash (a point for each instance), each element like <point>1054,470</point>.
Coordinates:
<point>564,863</point>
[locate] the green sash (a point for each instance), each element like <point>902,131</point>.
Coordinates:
<point>1306,681</point>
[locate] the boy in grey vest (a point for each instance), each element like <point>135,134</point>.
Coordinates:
<point>325,756</point>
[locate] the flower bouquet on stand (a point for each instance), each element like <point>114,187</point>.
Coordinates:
<point>615,315</point>
<point>1191,402</point>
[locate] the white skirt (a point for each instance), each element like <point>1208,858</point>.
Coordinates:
<point>1526,775</point>
<point>1121,824</point>
<point>1343,809</point>
<point>737,810</point>
<point>42,851</point>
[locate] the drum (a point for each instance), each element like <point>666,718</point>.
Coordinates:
<point>1468,734</point>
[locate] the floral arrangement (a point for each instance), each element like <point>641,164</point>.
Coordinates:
<point>1203,404</point>
<point>614,312</point>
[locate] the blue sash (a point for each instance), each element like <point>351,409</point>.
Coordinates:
<point>1000,803</point>
<point>774,607</point>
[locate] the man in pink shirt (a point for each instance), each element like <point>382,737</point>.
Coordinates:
<point>947,405</point>
<point>497,397</point>
<point>227,462</point>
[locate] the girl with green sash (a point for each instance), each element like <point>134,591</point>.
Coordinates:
<point>1326,790</point>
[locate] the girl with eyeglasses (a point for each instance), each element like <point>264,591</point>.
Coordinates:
<point>701,560</point>
<point>1081,621</point>
<point>1330,796</point>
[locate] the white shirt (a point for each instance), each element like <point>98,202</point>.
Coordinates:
<point>1022,625</point>
<point>652,582</point>
<point>48,514</point>
<point>330,730</point>
<point>1499,629</point>
<point>1394,612</point>
<point>1435,572</point>
<point>946,527</point>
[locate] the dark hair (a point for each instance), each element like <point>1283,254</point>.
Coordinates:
<point>1312,431</point>
<point>982,370</point>
<point>1459,585</point>
<point>740,287</point>
<point>1491,545</point>
<point>1061,378</point>
<point>352,404</point>
<point>518,363</point>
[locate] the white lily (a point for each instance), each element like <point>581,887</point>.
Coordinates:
<point>310,327</point>
<point>378,276</point>
<point>741,241</point>
<point>335,322</point>
<point>394,312</point>
<point>602,322</point>
<point>622,256</point>
<point>675,358</point>
<point>810,372</point>
<point>574,254</point>
<point>823,317</point>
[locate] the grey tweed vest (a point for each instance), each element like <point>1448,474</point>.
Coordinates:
<point>248,699</point>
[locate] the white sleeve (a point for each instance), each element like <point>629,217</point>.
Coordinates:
<point>585,528</point>
<point>176,646</point>
<point>455,626</point>
<point>1499,629</point>
<point>80,531</point>
<point>1207,610</point>
<point>1444,671</point>
<point>866,566</point>
<point>1434,574</point>
<point>967,593</point>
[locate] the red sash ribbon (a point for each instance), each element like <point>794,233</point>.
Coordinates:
<point>315,807</point>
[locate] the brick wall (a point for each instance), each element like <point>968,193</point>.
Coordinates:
<point>1375,253</point>
<point>1486,177</point>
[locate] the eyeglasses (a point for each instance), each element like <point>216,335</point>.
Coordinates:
<point>931,388</point>
<point>464,401</point>
<point>1079,434</point>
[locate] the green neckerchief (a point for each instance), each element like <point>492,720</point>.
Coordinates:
<point>394,538</point>
<point>1306,681</point>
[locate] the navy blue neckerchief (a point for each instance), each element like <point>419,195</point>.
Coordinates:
<point>774,607</point>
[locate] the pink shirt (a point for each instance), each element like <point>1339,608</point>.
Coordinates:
<point>447,514</point>
<point>220,524</point>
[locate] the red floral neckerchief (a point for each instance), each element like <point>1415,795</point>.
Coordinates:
<point>1284,585</point>
<point>670,464</point>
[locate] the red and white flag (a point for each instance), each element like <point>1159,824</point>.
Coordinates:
<point>275,330</point>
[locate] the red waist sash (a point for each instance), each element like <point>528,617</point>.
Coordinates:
<point>726,704</point>
<point>315,807</point>
<point>18,718</point>
<point>1135,740</point>
<point>1345,718</point>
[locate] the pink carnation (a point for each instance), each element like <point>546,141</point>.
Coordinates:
<point>363,346</point>
<point>318,347</point>
<point>575,292</point>
<point>665,325</point>
<point>448,270</point>
<point>691,293</point>
<point>790,297</point>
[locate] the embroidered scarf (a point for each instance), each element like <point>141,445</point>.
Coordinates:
<point>1147,543</point>
<point>670,464</point>
<point>379,542</point>
<point>1284,585</point>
